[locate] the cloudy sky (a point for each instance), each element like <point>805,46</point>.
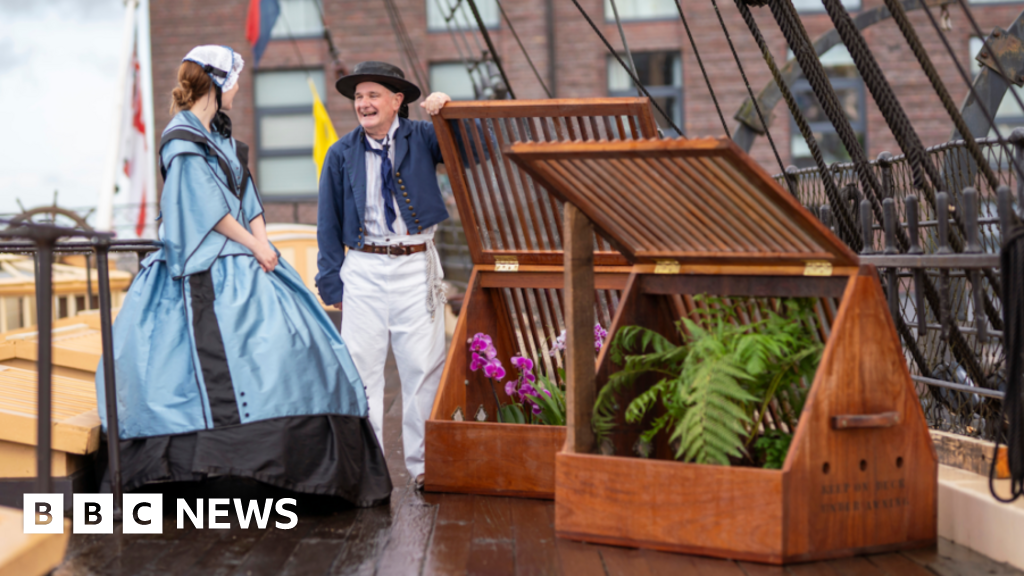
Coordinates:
<point>58,78</point>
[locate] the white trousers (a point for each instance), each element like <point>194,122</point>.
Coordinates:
<point>387,297</point>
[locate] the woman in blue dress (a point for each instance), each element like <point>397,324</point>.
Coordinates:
<point>225,364</point>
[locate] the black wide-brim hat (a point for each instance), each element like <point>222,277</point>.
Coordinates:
<point>381,73</point>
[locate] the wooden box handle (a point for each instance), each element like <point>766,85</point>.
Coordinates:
<point>849,421</point>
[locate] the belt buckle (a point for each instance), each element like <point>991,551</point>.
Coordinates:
<point>390,255</point>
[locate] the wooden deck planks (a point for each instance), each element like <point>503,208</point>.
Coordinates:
<point>447,534</point>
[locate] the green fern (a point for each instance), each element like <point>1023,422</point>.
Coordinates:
<point>740,357</point>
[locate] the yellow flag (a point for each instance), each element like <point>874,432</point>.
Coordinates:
<point>323,131</point>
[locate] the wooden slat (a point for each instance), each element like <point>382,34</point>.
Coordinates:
<point>579,285</point>
<point>502,208</point>
<point>681,199</point>
<point>593,501</point>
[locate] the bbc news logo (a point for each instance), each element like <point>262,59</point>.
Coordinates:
<point>143,513</point>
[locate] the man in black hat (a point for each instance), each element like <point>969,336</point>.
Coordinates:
<point>379,198</point>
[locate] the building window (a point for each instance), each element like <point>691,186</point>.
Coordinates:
<point>284,133</point>
<point>298,19</point>
<point>456,13</point>
<point>850,89</point>
<point>641,10</point>
<point>661,73</point>
<point>453,79</point>
<point>805,6</point>
<point>1009,114</point>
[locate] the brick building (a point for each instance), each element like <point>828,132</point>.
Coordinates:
<point>272,110</point>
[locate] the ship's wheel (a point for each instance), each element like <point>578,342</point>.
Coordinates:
<point>52,215</point>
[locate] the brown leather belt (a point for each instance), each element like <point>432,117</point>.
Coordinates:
<point>394,250</point>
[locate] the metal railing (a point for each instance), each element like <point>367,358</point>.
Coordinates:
<point>44,242</point>
<point>954,350</point>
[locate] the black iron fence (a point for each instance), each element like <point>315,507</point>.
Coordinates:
<point>44,242</point>
<point>942,285</point>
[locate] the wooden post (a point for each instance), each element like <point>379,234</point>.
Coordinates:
<point>580,388</point>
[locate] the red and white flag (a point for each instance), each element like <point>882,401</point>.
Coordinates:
<point>135,159</point>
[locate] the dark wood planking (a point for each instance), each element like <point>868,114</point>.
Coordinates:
<point>534,532</point>
<point>815,569</point>
<point>579,287</point>
<point>448,553</point>
<point>312,556</point>
<point>137,558</point>
<point>410,535</point>
<point>578,558</point>
<point>856,566</point>
<point>624,561</point>
<point>754,569</point>
<point>491,550</point>
<point>715,567</point>
<point>896,564</point>
<point>268,555</point>
<point>668,564</point>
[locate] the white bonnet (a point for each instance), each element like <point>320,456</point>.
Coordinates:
<point>221,63</point>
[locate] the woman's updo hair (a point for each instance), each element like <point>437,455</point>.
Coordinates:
<point>193,84</point>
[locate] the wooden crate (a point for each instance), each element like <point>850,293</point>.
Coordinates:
<point>514,231</point>
<point>700,216</point>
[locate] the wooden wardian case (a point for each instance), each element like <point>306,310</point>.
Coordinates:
<point>514,231</point>
<point>699,216</point>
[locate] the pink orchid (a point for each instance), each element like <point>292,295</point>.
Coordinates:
<point>477,362</point>
<point>494,369</point>
<point>523,363</point>
<point>510,388</point>
<point>536,410</point>
<point>490,352</point>
<point>479,342</point>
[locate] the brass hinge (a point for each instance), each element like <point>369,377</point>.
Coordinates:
<point>506,264</point>
<point>817,268</point>
<point>666,267</point>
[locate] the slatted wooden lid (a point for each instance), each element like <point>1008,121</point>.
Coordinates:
<point>698,201</point>
<point>505,213</point>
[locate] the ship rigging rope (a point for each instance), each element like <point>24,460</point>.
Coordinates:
<point>901,128</point>
<point>523,48</point>
<point>405,44</point>
<point>626,68</point>
<point>1011,420</point>
<point>799,41</point>
<point>750,91</point>
<point>985,46</point>
<point>974,93</point>
<point>846,223</point>
<point>700,62</point>
<point>899,16</point>
<point>490,46</point>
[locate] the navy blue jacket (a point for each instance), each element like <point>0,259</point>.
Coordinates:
<point>342,202</point>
